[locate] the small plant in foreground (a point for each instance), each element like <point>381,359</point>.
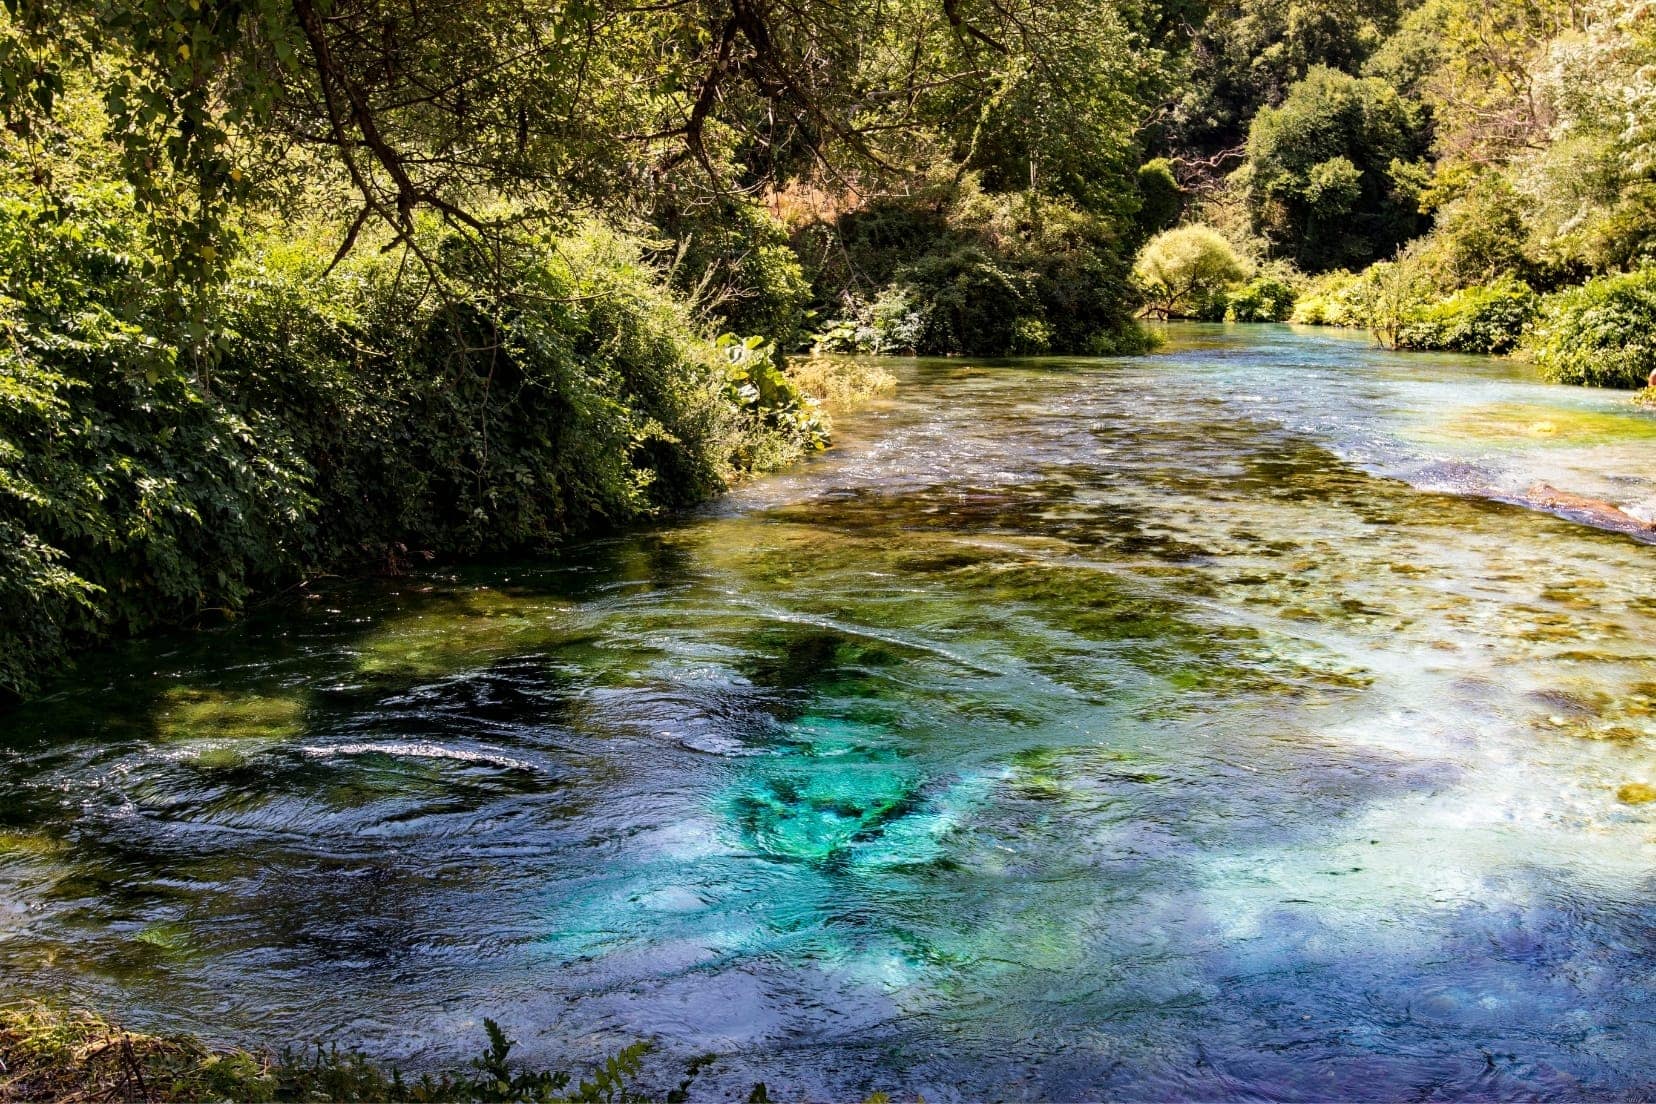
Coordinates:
<point>52,1055</point>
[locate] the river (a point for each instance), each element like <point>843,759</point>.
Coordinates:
<point>1218,724</point>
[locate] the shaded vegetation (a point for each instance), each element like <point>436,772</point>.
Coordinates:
<point>352,415</point>
<point>974,272</point>
<point>1324,171</point>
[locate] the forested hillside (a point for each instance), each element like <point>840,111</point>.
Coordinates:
<point>304,285</point>
<point>1450,175</point>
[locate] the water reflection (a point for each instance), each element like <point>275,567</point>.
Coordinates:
<point>1217,724</point>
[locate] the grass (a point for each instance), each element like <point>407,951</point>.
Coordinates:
<point>78,1057</point>
<point>50,1054</point>
<point>840,382</point>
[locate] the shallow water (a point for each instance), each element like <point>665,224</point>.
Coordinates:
<point>1216,724</point>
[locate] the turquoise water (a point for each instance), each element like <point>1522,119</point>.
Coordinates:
<point>1216,724</point>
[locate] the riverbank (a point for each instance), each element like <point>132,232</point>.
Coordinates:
<point>350,417</point>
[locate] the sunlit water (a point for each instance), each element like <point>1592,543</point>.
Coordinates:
<point>1197,725</point>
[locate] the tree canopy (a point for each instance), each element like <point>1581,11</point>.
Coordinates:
<point>487,113</point>
<point>1323,170</point>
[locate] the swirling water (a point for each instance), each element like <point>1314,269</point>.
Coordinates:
<point>1216,724</point>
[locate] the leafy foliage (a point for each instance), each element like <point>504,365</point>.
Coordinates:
<point>757,385</point>
<point>1480,75</point>
<point>1248,54</point>
<point>1265,298</point>
<point>1479,235</point>
<point>1589,180</point>
<point>1323,170</point>
<point>53,1055</point>
<point>1054,123</point>
<point>1602,333</point>
<point>976,272</point>
<point>554,106</point>
<point>1384,297</point>
<point>338,416</point>
<point>1161,199</point>
<point>1487,319</point>
<point>736,260</point>
<point>1328,300</point>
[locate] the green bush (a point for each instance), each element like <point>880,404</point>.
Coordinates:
<point>1263,299</point>
<point>893,322</point>
<point>1479,236</point>
<point>969,300</point>
<point>961,271</point>
<point>161,461</point>
<point>1322,176</point>
<point>1487,319</point>
<point>1161,200</point>
<point>1329,300</point>
<point>125,487</point>
<point>759,387</point>
<point>1602,334</point>
<point>1387,295</point>
<point>737,259</point>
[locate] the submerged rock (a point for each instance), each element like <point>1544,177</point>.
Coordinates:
<point>1595,510</point>
<point>1636,793</point>
<point>815,813</point>
<point>831,782</point>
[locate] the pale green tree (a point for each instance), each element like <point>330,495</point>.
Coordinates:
<point>1179,272</point>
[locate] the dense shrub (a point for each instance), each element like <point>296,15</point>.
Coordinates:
<point>146,479</point>
<point>1265,298</point>
<point>1602,333</point>
<point>1479,236</point>
<point>125,487</point>
<point>1387,296</point>
<point>853,257</point>
<point>1185,273</point>
<point>1248,53</point>
<point>1329,300</point>
<point>892,322</point>
<point>736,259</point>
<point>956,270</point>
<point>1487,319</point>
<point>970,300</point>
<point>1161,200</point>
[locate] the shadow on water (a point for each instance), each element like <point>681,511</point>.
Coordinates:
<point>1149,729</point>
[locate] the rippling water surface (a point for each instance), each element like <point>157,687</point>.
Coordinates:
<point>1215,724</point>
